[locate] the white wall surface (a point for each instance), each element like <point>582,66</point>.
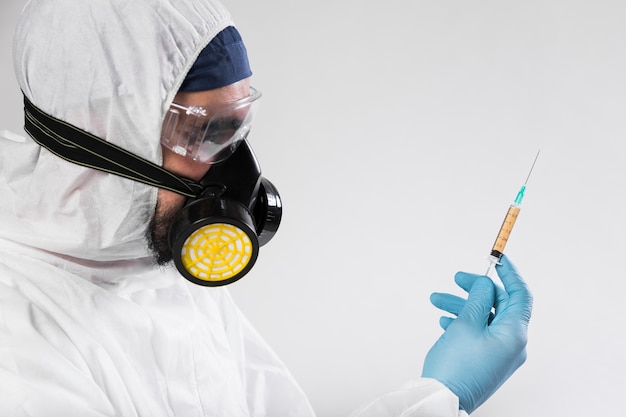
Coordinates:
<point>398,133</point>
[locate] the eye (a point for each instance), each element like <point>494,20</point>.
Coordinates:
<point>221,131</point>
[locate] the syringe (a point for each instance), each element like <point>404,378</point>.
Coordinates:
<point>507,225</point>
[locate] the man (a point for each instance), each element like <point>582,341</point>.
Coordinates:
<point>89,325</point>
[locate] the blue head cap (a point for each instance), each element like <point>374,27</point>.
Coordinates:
<point>222,62</point>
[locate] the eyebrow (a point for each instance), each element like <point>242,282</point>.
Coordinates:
<point>228,121</point>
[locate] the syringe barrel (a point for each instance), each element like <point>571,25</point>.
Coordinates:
<point>505,231</point>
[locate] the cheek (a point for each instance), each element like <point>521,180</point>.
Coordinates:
<point>183,166</point>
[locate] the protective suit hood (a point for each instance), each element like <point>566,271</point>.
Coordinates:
<point>114,75</point>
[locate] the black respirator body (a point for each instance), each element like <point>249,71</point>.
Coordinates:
<point>215,238</point>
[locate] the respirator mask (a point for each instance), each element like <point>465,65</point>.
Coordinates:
<point>228,214</point>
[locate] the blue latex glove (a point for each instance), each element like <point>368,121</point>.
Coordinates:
<point>480,349</point>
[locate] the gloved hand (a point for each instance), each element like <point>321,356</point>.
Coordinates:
<point>480,349</point>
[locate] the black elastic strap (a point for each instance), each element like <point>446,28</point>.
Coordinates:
<point>83,148</point>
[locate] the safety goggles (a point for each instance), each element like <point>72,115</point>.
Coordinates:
<point>209,134</point>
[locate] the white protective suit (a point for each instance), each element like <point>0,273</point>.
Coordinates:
<point>88,325</point>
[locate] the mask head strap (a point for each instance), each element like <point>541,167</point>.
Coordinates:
<point>83,148</point>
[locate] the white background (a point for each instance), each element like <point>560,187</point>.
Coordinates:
<point>398,132</point>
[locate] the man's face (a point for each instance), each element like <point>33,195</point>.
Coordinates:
<point>168,202</point>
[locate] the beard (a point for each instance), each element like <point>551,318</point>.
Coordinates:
<point>157,234</point>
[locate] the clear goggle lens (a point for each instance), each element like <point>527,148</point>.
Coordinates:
<point>210,134</point>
